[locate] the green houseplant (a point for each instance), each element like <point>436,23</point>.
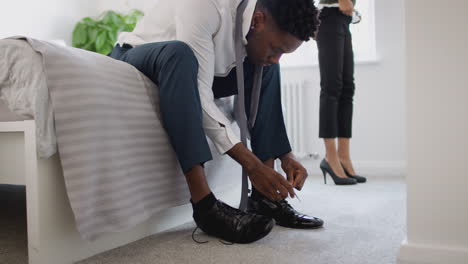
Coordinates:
<point>100,34</point>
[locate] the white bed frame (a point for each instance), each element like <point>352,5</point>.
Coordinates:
<point>52,235</point>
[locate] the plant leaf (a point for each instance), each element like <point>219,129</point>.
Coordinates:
<point>112,35</point>
<point>107,17</point>
<point>106,50</point>
<point>105,27</point>
<point>89,21</point>
<point>117,20</point>
<point>79,35</point>
<point>100,34</point>
<point>92,34</point>
<point>89,46</point>
<point>101,40</point>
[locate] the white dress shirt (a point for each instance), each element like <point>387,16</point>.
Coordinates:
<point>320,6</point>
<point>208,27</point>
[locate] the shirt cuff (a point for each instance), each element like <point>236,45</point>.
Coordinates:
<point>223,139</point>
<point>222,135</point>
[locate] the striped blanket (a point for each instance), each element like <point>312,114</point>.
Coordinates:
<point>118,165</point>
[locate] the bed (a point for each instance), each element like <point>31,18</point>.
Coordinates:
<point>28,158</point>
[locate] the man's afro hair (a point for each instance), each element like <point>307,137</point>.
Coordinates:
<point>297,17</point>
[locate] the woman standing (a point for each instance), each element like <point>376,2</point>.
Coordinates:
<point>336,62</point>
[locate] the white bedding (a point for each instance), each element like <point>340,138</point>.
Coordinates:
<point>23,90</point>
<point>118,165</point>
<point>24,94</point>
<point>6,115</point>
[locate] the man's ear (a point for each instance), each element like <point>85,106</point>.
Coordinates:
<point>258,21</point>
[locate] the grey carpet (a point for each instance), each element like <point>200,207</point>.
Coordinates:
<point>363,224</point>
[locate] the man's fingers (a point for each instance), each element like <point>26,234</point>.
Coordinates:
<point>301,184</point>
<point>274,194</point>
<point>288,187</point>
<point>304,179</point>
<point>282,191</point>
<point>300,177</point>
<point>299,181</point>
<point>290,176</point>
<point>271,193</point>
<point>297,178</point>
<point>268,192</point>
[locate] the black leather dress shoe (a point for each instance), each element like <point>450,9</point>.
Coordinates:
<point>283,213</point>
<point>233,225</point>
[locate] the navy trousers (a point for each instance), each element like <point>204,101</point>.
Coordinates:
<point>172,66</point>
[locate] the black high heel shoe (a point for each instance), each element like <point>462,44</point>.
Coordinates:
<point>358,178</point>
<point>325,167</point>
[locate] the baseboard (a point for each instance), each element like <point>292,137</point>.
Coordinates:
<point>382,168</point>
<point>366,168</point>
<point>411,253</point>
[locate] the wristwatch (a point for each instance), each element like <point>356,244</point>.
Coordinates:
<point>356,17</point>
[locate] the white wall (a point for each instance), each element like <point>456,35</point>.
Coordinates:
<point>45,19</point>
<point>379,122</point>
<point>55,19</point>
<point>437,81</point>
<point>378,143</point>
<point>125,5</point>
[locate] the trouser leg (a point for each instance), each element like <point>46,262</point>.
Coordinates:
<point>174,68</point>
<point>345,110</point>
<point>330,41</point>
<point>268,136</point>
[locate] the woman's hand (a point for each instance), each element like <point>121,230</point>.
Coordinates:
<point>346,7</point>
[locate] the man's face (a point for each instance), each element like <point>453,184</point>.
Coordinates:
<point>266,43</point>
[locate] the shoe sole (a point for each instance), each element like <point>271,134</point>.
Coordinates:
<point>302,227</point>
<point>294,227</point>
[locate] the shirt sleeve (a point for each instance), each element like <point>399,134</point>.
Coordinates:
<point>197,21</point>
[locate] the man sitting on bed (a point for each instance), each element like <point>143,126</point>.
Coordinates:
<point>187,48</point>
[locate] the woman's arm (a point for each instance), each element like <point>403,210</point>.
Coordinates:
<point>346,7</point>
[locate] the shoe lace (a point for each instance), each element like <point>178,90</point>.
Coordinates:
<point>229,213</point>
<point>287,209</point>
<point>232,212</point>
<point>193,237</point>
<point>204,242</point>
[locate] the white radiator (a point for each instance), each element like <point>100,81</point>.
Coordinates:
<point>300,100</point>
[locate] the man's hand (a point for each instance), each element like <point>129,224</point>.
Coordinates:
<point>296,173</point>
<point>346,7</point>
<point>266,180</point>
<point>270,183</point>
